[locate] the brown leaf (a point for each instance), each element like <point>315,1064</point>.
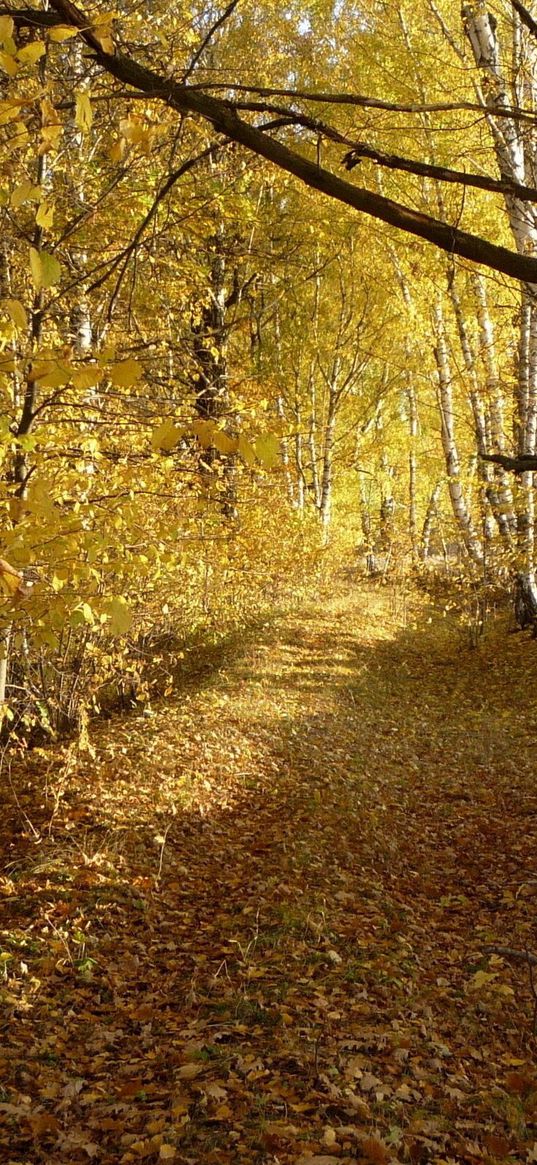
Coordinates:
<point>43,1123</point>
<point>522,1083</point>
<point>374,1151</point>
<point>308,1159</point>
<point>189,1071</point>
<point>498,1146</point>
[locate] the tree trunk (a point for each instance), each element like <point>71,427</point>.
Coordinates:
<point>210,349</point>
<point>325,501</point>
<point>430,516</point>
<point>459,504</point>
<point>515,144</point>
<point>413,472</point>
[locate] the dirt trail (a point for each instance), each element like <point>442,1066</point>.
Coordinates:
<point>254,925</point>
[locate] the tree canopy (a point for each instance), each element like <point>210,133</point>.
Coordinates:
<point>268,294</point>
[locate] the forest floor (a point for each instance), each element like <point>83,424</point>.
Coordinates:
<point>254,925</point>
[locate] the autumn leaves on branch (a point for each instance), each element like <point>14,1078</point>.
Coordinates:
<point>223,115</point>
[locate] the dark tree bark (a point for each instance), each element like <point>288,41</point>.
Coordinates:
<point>524,463</point>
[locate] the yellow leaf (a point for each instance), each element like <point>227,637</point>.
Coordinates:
<point>52,128</point>
<point>267,450</point>
<point>57,375</point>
<point>11,581</point>
<point>17,313</point>
<point>9,110</point>
<point>125,374</point>
<point>166,436</point>
<point>482,979</point>
<point>116,151</point>
<point>246,450</point>
<point>31,52</point>
<point>62,32</point>
<point>20,136</point>
<point>189,1071</point>
<point>6,29</point>
<point>83,111</point>
<point>39,500</point>
<point>167,1152</point>
<point>45,215</point>
<point>40,369</point>
<point>120,616</point>
<point>223,1113</point>
<point>101,31</point>
<point>86,377</point>
<point>46,270</point>
<point>8,64</point>
<point>223,442</point>
<point>26,192</point>
<point>106,43</point>
<point>204,431</point>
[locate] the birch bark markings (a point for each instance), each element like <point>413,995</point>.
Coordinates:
<point>459,503</point>
<point>496,496</point>
<point>515,149</point>
<point>499,493</point>
<point>413,415</point>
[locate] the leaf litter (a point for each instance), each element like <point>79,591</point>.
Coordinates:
<point>271,921</point>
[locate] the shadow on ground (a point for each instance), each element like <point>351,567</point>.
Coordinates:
<point>256,925</point>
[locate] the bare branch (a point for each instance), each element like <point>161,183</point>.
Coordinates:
<point>365,102</point>
<point>524,463</point>
<point>444,174</point>
<point>217,24</point>
<point>31,18</point>
<point>511,953</point>
<point>525,16</point>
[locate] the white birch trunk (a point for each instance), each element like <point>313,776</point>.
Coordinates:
<point>413,472</point>
<point>500,493</point>
<point>325,503</point>
<point>459,504</point>
<point>515,144</point>
<point>312,440</point>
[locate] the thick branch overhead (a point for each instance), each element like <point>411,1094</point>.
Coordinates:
<point>225,120</point>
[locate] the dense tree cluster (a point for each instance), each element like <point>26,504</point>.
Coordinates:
<point>267,285</point>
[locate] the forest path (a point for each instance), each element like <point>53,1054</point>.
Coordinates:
<point>252,927</point>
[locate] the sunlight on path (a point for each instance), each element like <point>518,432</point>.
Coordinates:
<point>255,925</point>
